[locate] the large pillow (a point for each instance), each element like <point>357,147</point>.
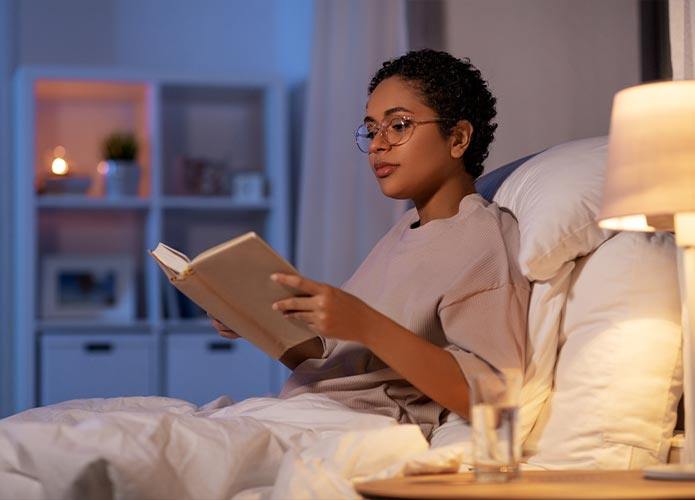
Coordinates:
<point>618,372</point>
<point>547,303</point>
<point>555,196</point>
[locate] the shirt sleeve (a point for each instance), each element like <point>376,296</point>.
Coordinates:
<point>486,331</point>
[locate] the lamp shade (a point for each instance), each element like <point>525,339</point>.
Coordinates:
<point>650,171</point>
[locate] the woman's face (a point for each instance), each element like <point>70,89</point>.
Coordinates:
<point>418,168</point>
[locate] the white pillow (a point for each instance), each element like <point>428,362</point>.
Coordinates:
<point>544,315</point>
<point>555,196</point>
<point>618,373</point>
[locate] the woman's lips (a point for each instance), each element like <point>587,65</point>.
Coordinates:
<point>384,169</point>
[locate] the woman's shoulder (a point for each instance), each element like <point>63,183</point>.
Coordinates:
<point>488,233</point>
<point>477,211</point>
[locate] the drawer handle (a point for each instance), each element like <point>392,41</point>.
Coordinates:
<point>98,347</point>
<point>220,346</point>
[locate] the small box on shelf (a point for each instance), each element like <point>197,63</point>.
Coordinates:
<point>66,184</point>
<point>249,186</point>
<point>199,176</point>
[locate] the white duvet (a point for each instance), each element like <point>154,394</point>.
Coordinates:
<point>162,448</point>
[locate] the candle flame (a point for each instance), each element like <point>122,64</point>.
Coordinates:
<point>59,166</point>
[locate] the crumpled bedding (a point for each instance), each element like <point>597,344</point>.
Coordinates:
<point>260,448</point>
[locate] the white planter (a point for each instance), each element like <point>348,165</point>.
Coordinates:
<point>121,178</point>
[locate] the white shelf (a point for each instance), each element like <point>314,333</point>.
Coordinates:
<point>172,202</point>
<point>188,325</point>
<point>228,125</point>
<point>93,326</point>
<point>85,202</point>
<point>214,203</point>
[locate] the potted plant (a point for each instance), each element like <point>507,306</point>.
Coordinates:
<point>120,169</point>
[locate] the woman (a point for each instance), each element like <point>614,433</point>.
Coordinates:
<point>440,297</point>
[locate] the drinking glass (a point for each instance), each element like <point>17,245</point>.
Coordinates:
<point>495,424</point>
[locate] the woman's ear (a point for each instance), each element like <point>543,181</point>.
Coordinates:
<point>461,138</point>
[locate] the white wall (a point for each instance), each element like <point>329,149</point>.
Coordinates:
<point>554,65</point>
<point>259,37</point>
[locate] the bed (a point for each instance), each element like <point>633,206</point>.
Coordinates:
<point>601,388</point>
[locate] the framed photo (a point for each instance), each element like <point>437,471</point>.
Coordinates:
<point>88,287</point>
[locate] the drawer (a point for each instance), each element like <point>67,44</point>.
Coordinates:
<point>88,366</point>
<point>202,367</point>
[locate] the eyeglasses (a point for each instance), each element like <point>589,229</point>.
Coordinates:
<point>395,131</point>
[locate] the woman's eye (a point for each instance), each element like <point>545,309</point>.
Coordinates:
<point>399,126</point>
<point>370,132</point>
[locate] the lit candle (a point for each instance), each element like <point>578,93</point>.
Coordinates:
<point>59,166</point>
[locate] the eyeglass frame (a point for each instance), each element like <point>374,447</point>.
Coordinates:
<point>380,130</point>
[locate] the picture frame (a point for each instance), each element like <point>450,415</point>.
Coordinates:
<point>88,287</point>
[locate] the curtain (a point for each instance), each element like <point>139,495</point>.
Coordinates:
<point>682,38</point>
<point>342,212</point>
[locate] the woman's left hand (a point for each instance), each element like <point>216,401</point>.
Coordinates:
<point>329,311</point>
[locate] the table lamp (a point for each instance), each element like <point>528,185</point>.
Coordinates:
<point>650,186</point>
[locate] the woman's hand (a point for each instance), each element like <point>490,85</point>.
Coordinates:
<point>332,312</point>
<point>329,311</point>
<point>223,329</point>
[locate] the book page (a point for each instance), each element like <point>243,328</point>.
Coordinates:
<point>173,259</point>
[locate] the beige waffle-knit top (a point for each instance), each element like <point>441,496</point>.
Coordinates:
<point>454,282</point>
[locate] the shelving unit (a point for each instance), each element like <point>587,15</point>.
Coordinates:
<point>227,125</point>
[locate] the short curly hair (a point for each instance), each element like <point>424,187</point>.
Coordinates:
<point>455,90</point>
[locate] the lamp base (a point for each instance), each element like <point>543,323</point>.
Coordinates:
<point>670,472</point>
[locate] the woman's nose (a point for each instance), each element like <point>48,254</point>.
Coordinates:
<point>378,143</point>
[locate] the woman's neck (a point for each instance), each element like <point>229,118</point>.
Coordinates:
<point>445,202</point>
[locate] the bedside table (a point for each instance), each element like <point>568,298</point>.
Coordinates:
<point>531,485</point>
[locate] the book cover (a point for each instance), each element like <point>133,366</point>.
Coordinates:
<point>231,282</point>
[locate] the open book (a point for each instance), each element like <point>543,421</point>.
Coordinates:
<point>231,282</point>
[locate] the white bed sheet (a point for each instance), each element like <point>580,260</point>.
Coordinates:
<point>153,447</point>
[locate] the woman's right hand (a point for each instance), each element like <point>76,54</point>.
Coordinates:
<point>223,329</point>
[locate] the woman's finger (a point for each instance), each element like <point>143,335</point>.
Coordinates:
<point>228,334</point>
<point>220,326</point>
<point>298,282</point>
<point>305,316</point>
<point>295,304</point>
<point>223,329</point>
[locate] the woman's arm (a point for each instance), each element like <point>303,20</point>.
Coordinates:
<point>332,312</point>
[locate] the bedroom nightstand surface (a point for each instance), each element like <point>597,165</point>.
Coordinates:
<point>531,485</point>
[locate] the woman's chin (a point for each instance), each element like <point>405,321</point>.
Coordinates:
<point>392,192</point>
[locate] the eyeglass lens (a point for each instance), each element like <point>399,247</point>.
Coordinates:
<point>394,132</point>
